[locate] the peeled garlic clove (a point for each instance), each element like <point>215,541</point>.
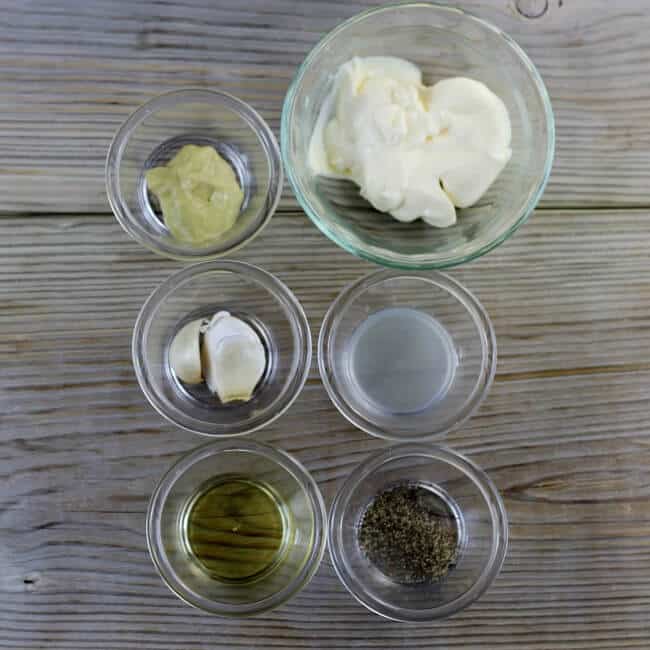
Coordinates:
<point>223,324</point>
<point>233,357</point>
<point>185,353</point>
<point>235,367</point>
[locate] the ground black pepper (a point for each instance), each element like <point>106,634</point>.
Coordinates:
<point>409,534</point>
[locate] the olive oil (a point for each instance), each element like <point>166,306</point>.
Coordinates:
<point>235,529</point>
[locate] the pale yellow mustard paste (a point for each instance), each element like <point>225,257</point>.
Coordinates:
<point>198,193</point>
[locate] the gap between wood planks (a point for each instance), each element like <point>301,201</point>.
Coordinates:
<point>641,207</point>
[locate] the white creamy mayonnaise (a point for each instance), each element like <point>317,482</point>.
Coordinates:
<point>414,151</point>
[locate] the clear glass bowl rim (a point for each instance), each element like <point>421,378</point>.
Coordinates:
<point>455,289</point>
<point>116,150</point>
<point>289,464</point>
<point>403,262</point>
<point>476,475</point>
<point>271,283</point>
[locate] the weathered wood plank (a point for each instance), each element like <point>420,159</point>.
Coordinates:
<point>70,72</point>
<point>564,434</point>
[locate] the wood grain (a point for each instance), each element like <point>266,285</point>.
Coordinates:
<point>564,433</point>
<point>71,72</point>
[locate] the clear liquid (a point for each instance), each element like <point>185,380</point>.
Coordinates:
<point>402,360</point>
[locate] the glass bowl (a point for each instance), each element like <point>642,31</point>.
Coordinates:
<point>157,130</point>
<point>443,42</point>
<point>467,493</point>
<point>407,355</point>
<point>290,485</point>
<point>200,291</point>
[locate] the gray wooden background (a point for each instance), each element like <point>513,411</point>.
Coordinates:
<point>564,432</point>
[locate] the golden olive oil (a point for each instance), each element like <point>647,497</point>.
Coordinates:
<point>235,529</point>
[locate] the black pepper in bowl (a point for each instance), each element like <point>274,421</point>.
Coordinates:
<point>409,534</point>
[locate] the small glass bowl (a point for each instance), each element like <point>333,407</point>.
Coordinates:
<point>459,326</point>
<point>443,42</point>
<point>469,495</point>
<point>200,291</point>
<point>157,130</point>
<point>304,536</point>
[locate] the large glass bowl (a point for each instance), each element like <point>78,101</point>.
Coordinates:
<point>291,485</point>
<point>155,133</point>
<point>443,42</point>
<point>467,492</point>
<point>198,292</point>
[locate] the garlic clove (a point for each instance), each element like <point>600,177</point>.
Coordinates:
<point>234,358</point>
<point>185,353</point>
<point>223,324</point>
<point>235,367</point>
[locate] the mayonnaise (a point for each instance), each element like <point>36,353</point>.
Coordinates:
<point>414,151</point>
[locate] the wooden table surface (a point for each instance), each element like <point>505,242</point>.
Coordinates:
<point>564,433</point>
